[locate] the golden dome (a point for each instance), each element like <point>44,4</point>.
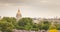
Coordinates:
<point>18,12</point>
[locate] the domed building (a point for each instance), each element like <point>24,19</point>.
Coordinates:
<point>18,15</point>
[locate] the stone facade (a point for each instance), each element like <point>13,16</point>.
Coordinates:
<point>18,15</point>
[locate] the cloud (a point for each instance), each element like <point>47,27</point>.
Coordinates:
<point>12,1</point>
<point>39,4</point>
<point>31,2</point>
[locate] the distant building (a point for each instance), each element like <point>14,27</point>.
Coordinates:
<point>18,15</point>
<point>53,20</point>
<point>35,20</point>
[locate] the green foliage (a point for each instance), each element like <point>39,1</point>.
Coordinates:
<point>52,27</point>
<point>40,26</point>
<point>6,26</point>
<point>28,26</point>
<point>10,20</point>
<point>45,25</point>
<point>57,25</point>
<point>25,23</point>
<point>35,27</point>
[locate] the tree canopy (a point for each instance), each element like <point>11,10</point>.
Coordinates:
<point>7,24</point>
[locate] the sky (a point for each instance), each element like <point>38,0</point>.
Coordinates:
<point>30,8</point>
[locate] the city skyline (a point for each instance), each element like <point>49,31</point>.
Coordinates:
<point>30,8</point>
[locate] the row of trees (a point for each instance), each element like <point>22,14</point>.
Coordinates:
<point>7,24</point>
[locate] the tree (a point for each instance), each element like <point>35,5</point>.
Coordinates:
<point>10,20</point>
<point>40,25</point>
<point>28,26</point>
<point>6,26</point>
<point>46,25</point>
<point>24,23</point>
<point>35,27</point>
<point>57,24</point>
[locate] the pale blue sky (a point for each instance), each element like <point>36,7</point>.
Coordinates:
<point>30,8</point>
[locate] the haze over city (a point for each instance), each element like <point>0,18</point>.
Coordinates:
<point>30,8</point>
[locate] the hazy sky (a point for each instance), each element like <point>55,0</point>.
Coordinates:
<point>30,8</point>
